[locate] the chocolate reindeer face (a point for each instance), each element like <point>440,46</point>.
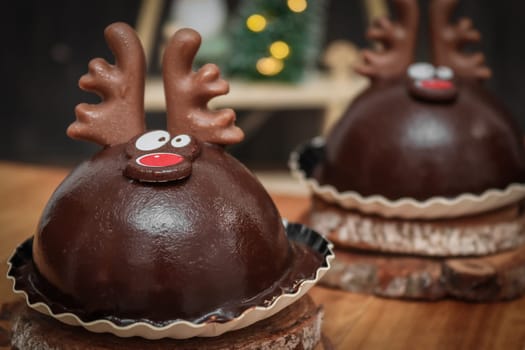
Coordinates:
<point>433,84</point>
<point>156,156</point>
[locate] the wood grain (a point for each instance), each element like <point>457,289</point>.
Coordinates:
<point>352,321</point>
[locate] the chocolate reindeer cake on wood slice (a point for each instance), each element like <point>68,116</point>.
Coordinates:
<point>425,161</point>
<point>162,234</point>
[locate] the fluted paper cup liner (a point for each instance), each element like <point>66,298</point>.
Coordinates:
<point>20,272</point>
<point>306,157</point>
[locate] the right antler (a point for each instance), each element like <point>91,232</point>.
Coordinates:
<point>120,116</point>
<point>188,92</point>
<point>448,41</point>
<point>399,43</point>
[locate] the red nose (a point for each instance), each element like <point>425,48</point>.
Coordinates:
<point>437,84</point>
<point>159,159</point>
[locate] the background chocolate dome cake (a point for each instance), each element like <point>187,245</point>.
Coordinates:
<point>425,163</point>
<point>162,228</point>
<point>394,145</point>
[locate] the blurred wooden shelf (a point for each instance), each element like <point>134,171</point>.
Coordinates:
<point>316,91</point>
<point>331,91</point>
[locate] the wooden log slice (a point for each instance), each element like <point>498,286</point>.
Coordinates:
<point>482,234</point>
<point>489,278</point>
<point>7,313</point>
<point>296,327</point>
<point>498,276</point>
<point>385,275</point>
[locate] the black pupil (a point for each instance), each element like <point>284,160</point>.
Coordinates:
<point>178,139</point>
<point>162,139</point>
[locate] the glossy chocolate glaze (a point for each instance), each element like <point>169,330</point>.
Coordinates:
<point>391,144</point>
<point>203,248</point>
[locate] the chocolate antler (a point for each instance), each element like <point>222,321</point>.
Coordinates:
<point>120,116</point>
<point>399,42</point>
<point>448,41</point>
<point>188,92</point>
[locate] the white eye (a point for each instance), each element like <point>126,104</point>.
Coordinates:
<point>152,140</point>
<point>444,73</point>
<point>421,71</point>
<point>180,141</point>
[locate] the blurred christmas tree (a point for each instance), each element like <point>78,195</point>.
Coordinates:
<point>276,39</point>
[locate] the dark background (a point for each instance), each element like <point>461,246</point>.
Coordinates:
<point>47,45</point>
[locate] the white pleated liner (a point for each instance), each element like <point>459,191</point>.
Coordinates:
<point>409,208</point>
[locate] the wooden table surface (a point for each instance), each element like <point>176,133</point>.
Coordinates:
<point>352,321</point>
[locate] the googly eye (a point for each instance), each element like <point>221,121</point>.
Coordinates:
<point>421,71</point>
<point>444,73</point>
<point>180,141</point>
<point>152,140</point>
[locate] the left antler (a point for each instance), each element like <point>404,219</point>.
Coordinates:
<point>188,92</point>
<point>398,40</point>
<point>120,116</point>
<point>448,41</point>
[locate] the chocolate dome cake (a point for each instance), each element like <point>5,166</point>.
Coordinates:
<point>396,145</point>
<point>139,250</point>
<point>423,130</point>
<point>164,227</point>
<point>425,162</point>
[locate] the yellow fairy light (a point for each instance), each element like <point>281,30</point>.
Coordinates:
<point>256,23</point>
<point>297,5</point>
<point>279,49</point>
<point>269,66</point>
